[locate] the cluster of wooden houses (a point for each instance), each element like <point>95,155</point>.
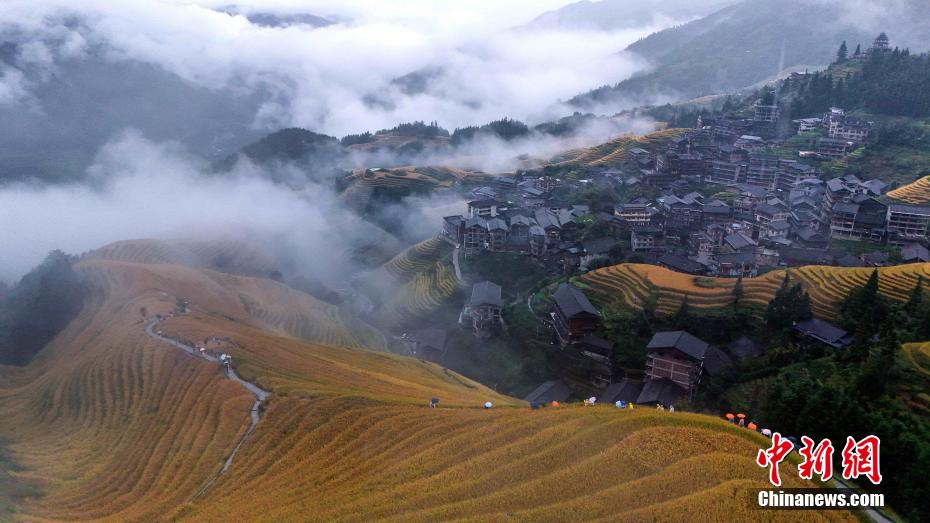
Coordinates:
<point>766,211</point>
<point>675,361</point>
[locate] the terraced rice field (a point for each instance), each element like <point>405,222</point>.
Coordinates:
<point>413,283</point>
<point>632,284</point>
<point>427,291</point>
<point>228,256</point>
<point>616,151</point>
<point>111,424</point>
<point>342,460</point>
<point>917,193</point>
<point>418,258</point>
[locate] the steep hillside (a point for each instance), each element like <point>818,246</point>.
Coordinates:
<point>612,15</point>
<point>633,285</point>
<point>222,255</point>
<point>415,282</point>
<point>755,40</point>
<point>615,152</point>
<point>917,192</point>
<point>259,301</point>
<point>109,423</point>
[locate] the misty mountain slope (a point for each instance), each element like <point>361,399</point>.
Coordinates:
<point>222,255</point>
<point>109,423</point>
<point>754,40</point>
<point>412,284</point>
<point>55,133</point>
<point>260,301</point>
<point>606,15</point>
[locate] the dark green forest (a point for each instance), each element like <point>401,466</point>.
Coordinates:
<point>37,308</point>
<point>893,83</point>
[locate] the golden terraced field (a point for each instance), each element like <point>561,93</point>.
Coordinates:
<point>110,424</point>
<point>415,282</point>
<point>917,193</point>
<point>632,284</point>
<point>616,151</point>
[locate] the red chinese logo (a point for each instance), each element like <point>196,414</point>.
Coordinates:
<point>774,455</point>
<point>817,460</point>
<point>860,458</point>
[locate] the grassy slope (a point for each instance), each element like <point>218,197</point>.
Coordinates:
<point>109,423</point>
<point>632,284</point>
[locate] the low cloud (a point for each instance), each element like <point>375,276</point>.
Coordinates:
<point>337,79</point>
<point>143,189</point>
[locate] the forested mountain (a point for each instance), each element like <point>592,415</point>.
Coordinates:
<point>607,15</point>
<point>55,134</point>
<point>755,40</point>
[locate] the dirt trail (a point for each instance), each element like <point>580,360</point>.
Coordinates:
<point>256,391</point>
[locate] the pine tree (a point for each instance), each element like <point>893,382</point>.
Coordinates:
<point>790,305</point>
<point>842,54</point>
<point>916,297</point>
<point>682,318</point>
<point>858,50</point>
<point>738,290</point>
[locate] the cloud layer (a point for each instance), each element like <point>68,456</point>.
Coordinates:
<point>336,79</point>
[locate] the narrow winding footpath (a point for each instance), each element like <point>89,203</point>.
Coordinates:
<point>257,392</point>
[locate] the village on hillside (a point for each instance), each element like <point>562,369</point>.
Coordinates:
<point>725,206</point>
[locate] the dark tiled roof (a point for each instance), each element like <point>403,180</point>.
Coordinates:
<point>825,332</point>
<point>681,340</point>
<point>598,245</point>
<point>850,261</point>
<point>431,337</point>
<point>572,301</point>
<point>487,202</point>
<point>715,360</point>
<point>909,209</point>
<point>739,241</point>
<point>485,293</point>
<point>681,264</point>
<point>549,391</point>
<point>625,390</point>
<point>662,390</point>
<point>915,252</point>
<point>597,342</point>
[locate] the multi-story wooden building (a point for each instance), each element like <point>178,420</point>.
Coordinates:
<point>863,218</point>
<point>908,223</point>
<point>572,314</point>
<point>677,356</point>
<point>483,309</point>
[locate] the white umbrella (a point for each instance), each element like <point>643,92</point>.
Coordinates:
<point>591,400</point>
<point>488,405</point>
<point>766,432</point>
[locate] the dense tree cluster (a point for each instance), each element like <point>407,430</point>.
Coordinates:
<point>894,83</point>
<point>505,129</point>
<point>417,129</point>
<point>37,308</point>
<point>790,305</point>
<point>861,390</point>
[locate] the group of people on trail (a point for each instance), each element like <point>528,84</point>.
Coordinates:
<point>588,402</point>
<point>740,420</point>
